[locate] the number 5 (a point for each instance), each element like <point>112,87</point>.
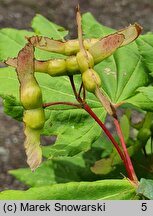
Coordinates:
<point>144,206</point>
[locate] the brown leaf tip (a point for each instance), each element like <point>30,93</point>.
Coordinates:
<point>38,40</point>
<point>139,28</point>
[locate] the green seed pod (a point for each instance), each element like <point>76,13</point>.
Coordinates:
<point>57,67</point>
<point>91,80</point>
<point>31,96</point>
<point>71,47</point>
<point>85,60</point>
<point>34,118</point>
<point>143,135</point>
<point>72,65</point>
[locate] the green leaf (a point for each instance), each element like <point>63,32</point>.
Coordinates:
<point>12,107</point>
<point>92,28</point>
<point>105,145</point>
<point>67,169</point>
<point>103,166</point>
<point>45,55</point>
<point>145,46</point>
<point>121,79</point>
<point>143,166</point>
<point>147,92</point>
<point>11,42</point>
<point>146,188</point>
<point>59,170</point>
<point>143,99</point>
<point>99,190</point>
<point>9,84</point>
<point>52,171</point>
<point>43,175</point>
<point>43,26</point>
<point>83,129</point>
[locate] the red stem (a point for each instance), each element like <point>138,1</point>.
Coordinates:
<point>94,116</point>
<point>61,103</point>
<point>128,163</point>
<point>79,93</point>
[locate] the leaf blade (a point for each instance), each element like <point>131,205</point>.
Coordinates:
<point>146,188</point>
<point>43,26</point>
<point>11,42</point>
<point>92,28</point>
<point>100,190</point>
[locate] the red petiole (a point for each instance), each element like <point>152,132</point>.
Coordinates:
<point>124,156</point>
<point>61,103</point>
<point>128,163</point>
<point>109,135</point>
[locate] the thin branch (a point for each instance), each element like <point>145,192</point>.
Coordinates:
<point>84,94</point>
<point>61,103</point>
<point>73,87</point>
<point>95,117</point>
<point>81,86</point>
